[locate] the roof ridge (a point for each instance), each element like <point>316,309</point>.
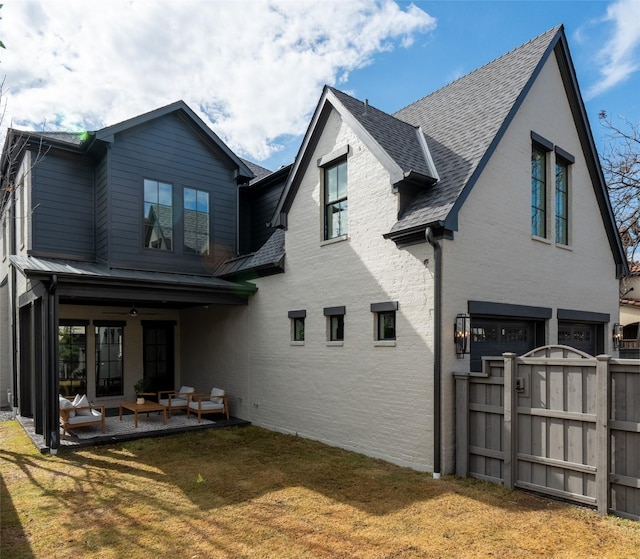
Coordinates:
<point>553,31</point>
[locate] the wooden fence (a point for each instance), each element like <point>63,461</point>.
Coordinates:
<point>556,421</point>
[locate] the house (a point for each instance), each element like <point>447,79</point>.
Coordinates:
<point>396,250</point>
<point>481,204</point>
<point>106,237</point>
<point>630,313</point>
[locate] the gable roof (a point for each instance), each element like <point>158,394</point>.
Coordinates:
<point>464,121</point>
<point>107,134</point>
<point>462,124</point>
<point>399,146</point>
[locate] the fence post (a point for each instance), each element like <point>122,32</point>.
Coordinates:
<point>602,433</point>
<point>509,421</point>
<point>462,425</point>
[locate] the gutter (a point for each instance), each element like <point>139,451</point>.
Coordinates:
<point>437,354</point>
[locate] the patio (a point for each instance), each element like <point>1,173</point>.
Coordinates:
<point>117,430</point>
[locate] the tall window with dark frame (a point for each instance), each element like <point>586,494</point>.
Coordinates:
<point>196,221</point>
<point>336,328</point>
<point>158,215</point>
<point>335,200</point>
<point>562,201</point>
<point>109,360</point>
<point>298,329</point>
<point>538,192</point>
<point>386,325</point>
<point>72,359</point>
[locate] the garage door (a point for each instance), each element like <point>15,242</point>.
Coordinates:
<point>579,335</point>
<point>490,337</point>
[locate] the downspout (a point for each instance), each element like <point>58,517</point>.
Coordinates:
<point>52,387</point>
<point>437,353</point>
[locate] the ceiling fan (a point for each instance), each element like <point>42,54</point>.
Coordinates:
<point>132,312</point>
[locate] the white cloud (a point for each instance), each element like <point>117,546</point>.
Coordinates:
<point>252,69</point>
<point>618,59</point>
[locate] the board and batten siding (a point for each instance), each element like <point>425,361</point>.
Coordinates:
<point>168,150</point>
<point>62,202</point>
<point>102,210</point>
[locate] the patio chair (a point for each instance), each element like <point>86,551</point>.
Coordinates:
<point>80,413</point>
<point>176,399</point>
<point>215,402</point>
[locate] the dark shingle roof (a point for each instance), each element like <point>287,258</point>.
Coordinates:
<point>399,139</point>
<point>463,119</point>
<point>268,260</point>
<point>257,170</point>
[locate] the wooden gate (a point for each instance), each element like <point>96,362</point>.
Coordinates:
<point>555,429</point>
<point>556,421</point>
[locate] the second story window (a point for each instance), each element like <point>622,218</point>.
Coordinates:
<point>335,201</point>
<point>196,221</point>
<point>538,192</point>
<point>562,202</point>
<point>158,215</point>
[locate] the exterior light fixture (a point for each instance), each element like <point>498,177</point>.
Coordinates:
<point>461,334</point>
<point>617,336</point>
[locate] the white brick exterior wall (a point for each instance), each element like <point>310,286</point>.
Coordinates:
<point>378,400</point>
<point>375,400</point>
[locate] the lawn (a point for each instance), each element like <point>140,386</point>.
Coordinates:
<point>247,492</point>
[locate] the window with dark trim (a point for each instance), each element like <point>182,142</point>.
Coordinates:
<point>538,191</point>
<point>158,215</point>
<point>297,325</point>
<point>196,221</point>
<point>335,323</point>
<point>335,200</point>
<point>385,320</point>
<point>109,358</point>
<point>563,161</point>
<point>72,357</point>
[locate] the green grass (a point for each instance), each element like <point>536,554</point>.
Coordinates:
<point>248,492</point>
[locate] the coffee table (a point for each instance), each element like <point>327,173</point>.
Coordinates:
<point>144,408</point>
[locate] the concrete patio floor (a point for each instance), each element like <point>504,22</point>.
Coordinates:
<point>119,430</point>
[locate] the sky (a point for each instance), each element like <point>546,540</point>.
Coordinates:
<point>253,70</point>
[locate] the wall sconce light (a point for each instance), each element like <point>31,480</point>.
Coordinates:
<point>617,336</point>
<point>461,334</point>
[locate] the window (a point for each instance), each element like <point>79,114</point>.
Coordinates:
<point>297,325</point>
<point>563,160</point>
<point>196,221</point>
<point>72,359</point>
<point>109,359</point>
<point>385,320</point>
<point>158,215</point>
<point>538,192</point>
<point>335,200</point>
<point>335,323</point>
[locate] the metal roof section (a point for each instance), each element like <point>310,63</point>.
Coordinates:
<point>89,271</point>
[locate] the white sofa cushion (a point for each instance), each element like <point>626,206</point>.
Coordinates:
<point>206,405</point>
<point>93,414</point>
<point>67,405</point>
<point>81,401</point>
<point>186,390</point>
<point>215,395</point>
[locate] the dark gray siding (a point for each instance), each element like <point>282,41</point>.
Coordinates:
<point>168,150</point>
<point>102,211</point>
<point>63,206</point>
